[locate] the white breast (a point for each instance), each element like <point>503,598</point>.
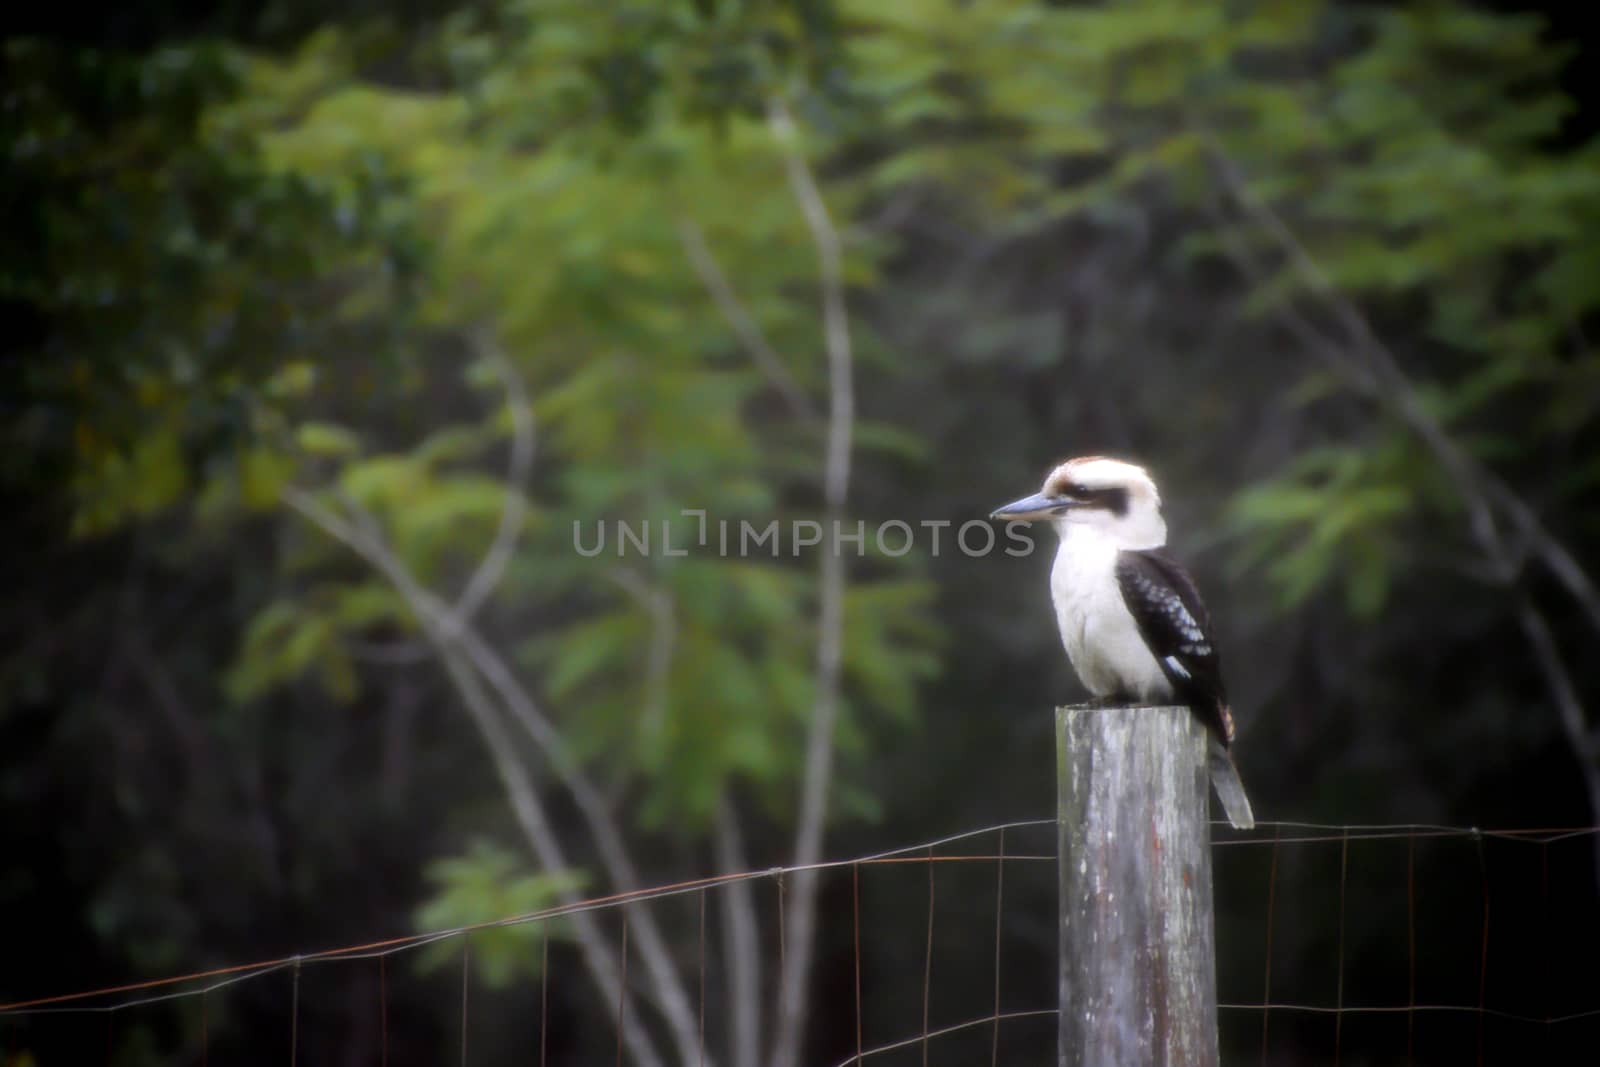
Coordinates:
<point>1101,637</point>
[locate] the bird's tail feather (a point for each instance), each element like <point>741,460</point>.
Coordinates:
<point>1230,790</point>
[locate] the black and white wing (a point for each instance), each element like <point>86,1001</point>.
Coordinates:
<point>1175,625</point>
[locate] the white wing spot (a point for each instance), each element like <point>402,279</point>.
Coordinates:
<point>1177,667</point>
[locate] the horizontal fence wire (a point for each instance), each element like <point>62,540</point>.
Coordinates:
<point>946,1031</point>
<point>405,943</point>
<point>946,853</point>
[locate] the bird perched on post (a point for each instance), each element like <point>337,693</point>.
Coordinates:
<point>1130,616</point>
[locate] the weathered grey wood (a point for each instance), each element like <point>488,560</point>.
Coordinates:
<point>1138,954</point>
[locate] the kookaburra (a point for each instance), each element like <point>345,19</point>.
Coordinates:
<point>1130,616</point>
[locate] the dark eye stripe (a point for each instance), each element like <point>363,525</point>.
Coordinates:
<point>1113,498</point>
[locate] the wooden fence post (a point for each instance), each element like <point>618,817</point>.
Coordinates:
<point>1138,952</point>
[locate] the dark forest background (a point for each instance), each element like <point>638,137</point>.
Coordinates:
<point>325,325</point>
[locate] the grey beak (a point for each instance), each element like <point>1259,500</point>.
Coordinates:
<point>1037,506</point>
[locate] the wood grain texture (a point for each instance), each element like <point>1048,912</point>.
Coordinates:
<point>1138,954</point>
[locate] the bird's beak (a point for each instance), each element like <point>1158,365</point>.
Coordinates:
<point>1037,506</point>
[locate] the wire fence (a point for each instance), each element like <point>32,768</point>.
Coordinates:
<point>1337,943</point>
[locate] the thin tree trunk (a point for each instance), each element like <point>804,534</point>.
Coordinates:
<point>741,943</point>
<point>802,912</point>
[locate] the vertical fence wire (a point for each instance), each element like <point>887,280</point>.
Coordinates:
<point>1483,953</point>
<point>999,911</point>
<point>702,955</point>
<point>855,915</point>
<point>294,1016</point>
<point>1411,949</point>
<point>466,982</point>
<point>1344,881</point>
<point>1547,938</point>
<point>383,1011</point>
<point>622,987</point>
<point>544,991</point>
<point>927,962</point>
<point>1266,978</point>
<point>783,925</point>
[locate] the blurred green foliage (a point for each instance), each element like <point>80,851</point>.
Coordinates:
<point>487,881</point>
<point>644,404</point>
<point>161,274</point>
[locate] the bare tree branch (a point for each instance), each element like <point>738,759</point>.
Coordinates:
<point>667,986</point>
<point>1376,359</point>
<point>1487,498</point>
<point>596,948</point>
<point>671,994</point>
<point>1319,344</point>
<point>1565,695</point>
<point>801,926</point>
<point>668,991</point>
<point>598,954</point>
<point>1554,554</point>
<point>657,603</point>
<point>740,320</point>
<point>1480,489</point>
<point>513,511</point>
